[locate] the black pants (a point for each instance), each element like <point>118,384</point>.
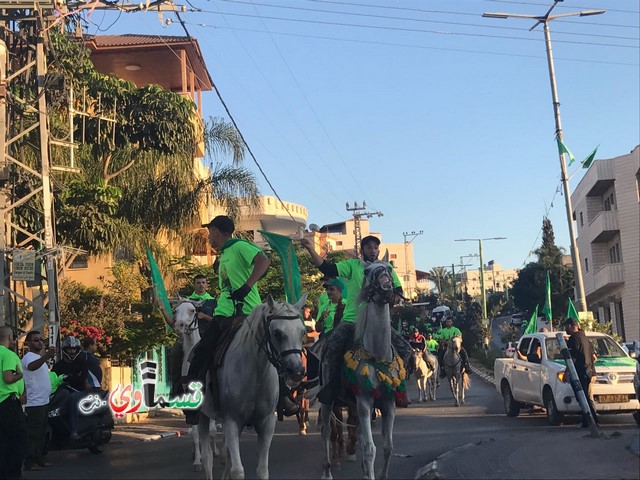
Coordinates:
<point>175,364</point>
<point>585,381</point>
<point>13,438</point>
<point>36,431</point>
<point>204,351</point>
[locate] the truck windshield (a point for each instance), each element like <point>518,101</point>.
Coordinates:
<point>603,347</point>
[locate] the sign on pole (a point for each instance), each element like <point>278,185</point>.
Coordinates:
<point>24,265</point>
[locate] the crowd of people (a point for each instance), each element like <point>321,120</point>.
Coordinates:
<point>29,390</point>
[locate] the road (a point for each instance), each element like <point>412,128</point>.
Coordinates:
<point>422,433</point>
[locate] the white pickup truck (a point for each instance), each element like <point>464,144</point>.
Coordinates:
<point>535,376</point>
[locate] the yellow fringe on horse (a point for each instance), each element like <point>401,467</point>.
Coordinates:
<point>392,373</point>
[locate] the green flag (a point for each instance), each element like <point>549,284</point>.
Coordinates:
<point>546,310</point>
<point>532,326</point>
<point>158,284</point>
<point>572,312</point>
<point>587,161</point>
<point>283,246</point>
<point>563,149</point>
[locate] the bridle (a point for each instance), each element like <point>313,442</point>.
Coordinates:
<point>376,287</point>
<point>274,356</point>
<point>192,326</point>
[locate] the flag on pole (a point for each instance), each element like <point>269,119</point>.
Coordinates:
<point>563,149</point>
<point>158,284</point>
<point>546,310</point>
<point>532,326</point>
<point>587,161</point>
<point>283,246</point>
<point>572,312</point>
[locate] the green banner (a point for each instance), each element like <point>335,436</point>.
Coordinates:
<point>572,312</point>
<point>608,362</point>
<point>532,326</point>
<point>546,310</point>
<point>283,246</point>
<point>158,284</point>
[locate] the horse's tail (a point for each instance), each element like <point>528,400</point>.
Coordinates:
<point>466,381</point>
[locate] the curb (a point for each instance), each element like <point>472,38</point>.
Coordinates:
<point>483,375</point>
<point>430,470</point>
<point>145,437</point>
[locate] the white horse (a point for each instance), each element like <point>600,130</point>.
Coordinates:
<point>452,362</point>
<point>372,349</point>
<point>268,345</point>
<point>186,325</point>
<point>426,372</point>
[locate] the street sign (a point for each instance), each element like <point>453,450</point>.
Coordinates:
<point>24,265</point>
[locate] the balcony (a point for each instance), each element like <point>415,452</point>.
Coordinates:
<point>604,226</point>
<point>608,277</point>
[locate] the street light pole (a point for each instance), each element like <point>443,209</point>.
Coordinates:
<point>483,293</point>
<point>545,19</point>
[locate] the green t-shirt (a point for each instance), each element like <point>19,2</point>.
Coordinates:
<point>329,319</point>
<point>56,380</point>
<point>9,361</point>
<point>432,345</point>
<point>236,265</point>
<point>352,271</point>
<point>447,333</point>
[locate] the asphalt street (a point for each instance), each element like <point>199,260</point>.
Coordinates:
<point>422,433</point>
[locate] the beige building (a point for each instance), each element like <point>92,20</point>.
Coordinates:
<point>340,237</point>
<point>606,210</point>
<point>495,278</point>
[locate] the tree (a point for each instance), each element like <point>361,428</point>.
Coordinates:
<point>529,288</point>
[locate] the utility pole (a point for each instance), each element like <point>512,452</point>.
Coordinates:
<point>483,292</point>
<point>358,213</point>
<point>407,271</point>
<point>544,20</point>
<point>472,255</point>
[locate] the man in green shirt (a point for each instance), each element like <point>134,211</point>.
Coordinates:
<point>242,264</point>
<point>352,271</point>
<point>13,427</point>
<point>330,314</point>
<point>432,345</point>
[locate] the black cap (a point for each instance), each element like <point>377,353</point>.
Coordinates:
<point>571,321</point>
<point>367,239</point>
<point>222,223</point>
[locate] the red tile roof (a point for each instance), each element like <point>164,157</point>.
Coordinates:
<point>130,40</point>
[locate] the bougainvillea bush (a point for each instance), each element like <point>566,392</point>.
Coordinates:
<point>75,328</point>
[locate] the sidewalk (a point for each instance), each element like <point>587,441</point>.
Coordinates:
<point>158,425</point>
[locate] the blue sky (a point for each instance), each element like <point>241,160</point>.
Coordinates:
<point>437,117</point>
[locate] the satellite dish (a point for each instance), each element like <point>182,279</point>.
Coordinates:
<point>314,228</point>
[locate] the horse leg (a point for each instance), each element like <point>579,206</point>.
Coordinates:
<point>461,387</point>
<point>205,442</point>
<point>367,447</point>
<point>352,424</point>
<point>232,432</point>
<point>337,438</point>
<point>325,416</point>
<point>264,430</point>
<point>213,432</point>
<point>388,418</point>
<point>197,458</point>
<point>454,389</point>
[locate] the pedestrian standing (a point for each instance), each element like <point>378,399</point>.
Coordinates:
<point>583,359</point>
<point>13,431</point>
<point>38,385</point>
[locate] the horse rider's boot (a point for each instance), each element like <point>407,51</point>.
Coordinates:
<point>286,405</point>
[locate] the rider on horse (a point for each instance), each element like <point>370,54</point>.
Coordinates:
<point>417,340</point>
<point>330,313</point>
<point>431,343</point>
<point>342,336</point>
<point>444,335</point>
<point>242,264</point>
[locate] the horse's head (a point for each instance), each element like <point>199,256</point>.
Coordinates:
<point>284,331</point>
<point>378,281</point>
<point>455,343</point>
<point>185,318</point>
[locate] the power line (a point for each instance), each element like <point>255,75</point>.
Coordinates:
<point>226,108</point>
<point>559,6</point>
<point>421,20</point>
<point>414,30</point>
<point>406,45</point>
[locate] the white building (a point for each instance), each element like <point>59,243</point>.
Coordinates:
<point>606,208</point>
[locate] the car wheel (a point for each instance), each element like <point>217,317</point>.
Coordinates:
<point>511,407</point>
<point>553,415</point>
<point>636,417</point>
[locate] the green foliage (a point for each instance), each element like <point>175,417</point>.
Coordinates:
<point>529,288</point>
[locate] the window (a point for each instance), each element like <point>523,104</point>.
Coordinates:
<point>609,202</point>
<point>339,243</point>
<point>394,256</point>
<point>586,264</point>
<point>614,254</point>
<point>81,261</point>
<point>581,220</point>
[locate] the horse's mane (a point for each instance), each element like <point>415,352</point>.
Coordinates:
<point>252,328</point>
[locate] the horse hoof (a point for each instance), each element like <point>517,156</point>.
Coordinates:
<point>197,468</point>
<point>350,458</point>
<point>302,432</point>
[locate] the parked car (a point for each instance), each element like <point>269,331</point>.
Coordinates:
<point>517,319</point>
<point>535,375</point>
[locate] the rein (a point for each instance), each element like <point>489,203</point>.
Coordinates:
<point>275,357</point>
<point>189,329</point>
<point>375,287</point>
